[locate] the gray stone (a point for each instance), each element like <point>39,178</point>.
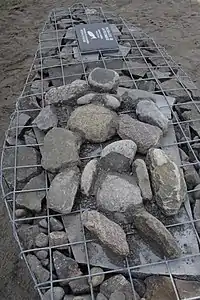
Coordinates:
<point>115,30</point>
<point>86,99</point>
<point>172,88</point>
<point>104,80</point>
<point>160,287</point>
<point>83,297</point>
<point>196,192</point>
<point>119,197</point>
<point>135,68</point>
<point>140,168</point>
<point>158,74</point>
<point>49,42</point>
<point>57,238</point>
<point>66,53</point>
<point>79,286</point>
<point>29,103</point>
<point>144,135</point>
<point>57,292</point>
<point>95,123</point>
<point>40,138</point>
<point>126,148</point>
<point>118,283</point>
<point>111,102</point>
<point>55,224</point>
<point>123,51</point>
<point>139,286</point>
<point>30,138</point>
<point>65,23</point>
<point>43,223</point>
<point>88,177</point>
<point>147,111</point>
<point>41,240</point>
<point>68,297</point>
<point>65,183</point>
<point>117,296</point>
<point>115,162</point>
<point>146,85</point>
<point>67,94</point>
<point>20,213</point>
<point>98,279</point>
<point>41,274</point>
<point>197,215</point>
<point>108,232</point>
<point>156,235</point>
<point>167,182</point>
<point>60,149</point>
<point>100,296</point>
<point>193,114</point>
<point>19,121</point>
<point>42,254</point>
<point>70,34</point>
<point>12,141</point>
<point>39,87</point>
<point>33,199</point>
<point>85,57</point>
<point>27,234</point>
<point>45,262</point>
<point>126,81</point>
<point>46,119</point>
<point>191,176</point>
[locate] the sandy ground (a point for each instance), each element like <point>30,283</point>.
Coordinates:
<point>174,24</point>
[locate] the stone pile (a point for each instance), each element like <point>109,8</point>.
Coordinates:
<point>113,164</point>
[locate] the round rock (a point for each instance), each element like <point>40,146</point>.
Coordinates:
<point>57,291</point>
<point>42,254</point>
<point>41,240</point>
<point>111,102</point>
<point>20,213</point>
<point>96,123</point>
<point>103,80</point>
<point>98,279</point>
<point>117,296</point>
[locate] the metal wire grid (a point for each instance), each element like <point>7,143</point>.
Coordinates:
<point>141,45</point>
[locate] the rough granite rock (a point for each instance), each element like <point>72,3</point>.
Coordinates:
<point>57,238</point>
<point>62,191</point>
<point>103,80</point>
<point>67,93</point>
<point>167,182</point>
<point>98,279</point>
<point>27,234</point>
<point>108,232</point>
<point>60,149</point>
<point>41,274</point>
<point>140,168</point>
<point>96,123</point>
<point>160,287</point>
<point>156,235</point>
<point>19,121</point>
<point>57,291</point>
<point>33,200</point>
<point>41,240</point>
<point>118,283</point>
<point>118,197</point>
<point>88,177</point>
<point>144,135</point>
<point>147,111</point>
<point>46,119</point>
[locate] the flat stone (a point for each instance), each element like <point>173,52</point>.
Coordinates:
<point>104,80</point>
<point>57,238</point>
<point>39,87</point>
<point>147,111</point>
<point>140,168</point>
<point>119,197</point>
<point>160,287</point>
<point>123,51</point>
<point>46,119</point>
<point>173,88</point>
<point>111,102</point>
<point>146,85</point>
<point>167,182</point>
<point>81,57</point>
<point>98,279</point>
<point>118,283</point>
<point>55,224</point>
<point>20,213</point>
<point>57,292</point>
<point>96,123</point>
<point>100,296</point>
<point>79,286</point>
<point>67,94</point>
<point>88,177</point>
<point>19,121</point>
<point>137,69</point>
<point>41,240</point>
<point>117,296</point>
<point>70,34</point>
<point>42,254</point>
<point>126,81</point>
<point>33,200</point>
<point>29,103</point>
<point>41,274</point>
<point>192,114</point>
<point>83,297</point>
<point>191,176</point>
<point>60,149</point>
<point>30,138</point>
<point>12,141</point>
<point>65,183</point>
<point>108,232</point>
<point>27,234</point>
<point>45,263</point>
<point>115,162</point>
<point>156,235</point>
<point>43,223</point>
<point>144,135</point>
<point>115,30</point>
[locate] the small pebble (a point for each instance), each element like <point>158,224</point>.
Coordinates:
<point>98,279</point>
<point>42,254</point>
<point>41,240</point>
<point>55,224</point>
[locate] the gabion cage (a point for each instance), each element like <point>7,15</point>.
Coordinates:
<point>146,68</point>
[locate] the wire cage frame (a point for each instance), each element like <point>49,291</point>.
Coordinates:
<point>160,67</point>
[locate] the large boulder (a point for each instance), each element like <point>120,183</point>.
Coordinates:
<point>118,196</point>
<point>167,182</point>
<point>156,235</point>
<point>96,123</point>
<point>144,135</point>
<point>103,80</point>
<point>60,149</point>
<point>109,233</point>
<point>62,191</point>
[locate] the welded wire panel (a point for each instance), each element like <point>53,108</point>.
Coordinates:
<point>143,66</point>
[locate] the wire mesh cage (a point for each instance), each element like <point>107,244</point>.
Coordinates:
<point>64,266</point>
